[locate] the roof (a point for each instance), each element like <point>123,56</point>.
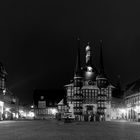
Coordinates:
<point>133,87</point>
<point>111,86</point>
<point>61,102</point>
<point>90,87</point>
<point>117,102</point>
<point>69,85</point>
<point>51,97</point>
<point>102,75</point>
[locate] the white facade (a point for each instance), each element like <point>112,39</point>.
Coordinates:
<point>89,101</point>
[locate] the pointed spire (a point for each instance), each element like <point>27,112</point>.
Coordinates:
<point>88,55</point>
<point>78,61</point>
<point>101,65</point>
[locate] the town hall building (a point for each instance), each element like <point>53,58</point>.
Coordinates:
<point>89,94</point>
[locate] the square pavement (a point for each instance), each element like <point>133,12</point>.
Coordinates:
<point>54,130</point>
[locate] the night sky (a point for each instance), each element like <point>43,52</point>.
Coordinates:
<point>38,40</point>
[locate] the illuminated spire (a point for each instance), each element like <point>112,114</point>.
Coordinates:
<point>101,66</point>
<point>78,61</point>
<point>88,55</point>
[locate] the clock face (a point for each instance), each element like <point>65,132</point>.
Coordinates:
<point>90,82</point>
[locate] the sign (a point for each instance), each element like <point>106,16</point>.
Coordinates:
<point>41,104</point>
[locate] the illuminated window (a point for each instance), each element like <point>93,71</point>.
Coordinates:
<point>91,95</point>
<point>95,94</point>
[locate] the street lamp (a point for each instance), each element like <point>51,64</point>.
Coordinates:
<point>4,91</point>
<point>32,106</point>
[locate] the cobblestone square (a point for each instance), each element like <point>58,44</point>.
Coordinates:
<point>53,130</point>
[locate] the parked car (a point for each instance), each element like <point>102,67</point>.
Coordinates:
<point>68,117</point>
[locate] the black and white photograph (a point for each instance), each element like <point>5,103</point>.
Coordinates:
<point>70,70</point>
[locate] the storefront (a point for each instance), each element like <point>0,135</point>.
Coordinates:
<point>133,107</point>
<point>1,110</point>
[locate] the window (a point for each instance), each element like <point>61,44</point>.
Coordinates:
<point>94,95</point>
<point>90,95</point>
<point>86,95</point>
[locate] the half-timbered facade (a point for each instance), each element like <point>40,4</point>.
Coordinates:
<point>89,95</point>
<point>132,101</point>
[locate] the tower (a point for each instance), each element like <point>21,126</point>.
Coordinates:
<point>102,83</point>
<point>89,71</point>
<point>77,99</point>
<point>78,72</point>
<point>88,56</point>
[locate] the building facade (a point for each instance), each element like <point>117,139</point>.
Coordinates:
<point>117,109</point>
<point>132,101</point>
<point>8,102</point>
<point>89,95</point>
<point>45,103</point>
<point>3,75</point>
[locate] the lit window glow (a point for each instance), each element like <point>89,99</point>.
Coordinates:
<point>31,114</point>
<point>22,113</point>
<point>6,116</point>
<point>7,109</point>
<point>89,69</point>
<point>32,106</point>
<point>13,115</point>
<point>122,111</point>
<point>1,106</point>
<point>137,109</point>
<point>17,116</point>
<point>1,103</point>
<point>4,91</point>
<point>53,111</point>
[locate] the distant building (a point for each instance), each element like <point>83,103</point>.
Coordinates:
<point>117,109</point>
<point>132,101</point>
<point>8,102</point>
<point>11,107</point>
<point>89,96</point>
<point>45,103</point>
<point>3,75</point>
